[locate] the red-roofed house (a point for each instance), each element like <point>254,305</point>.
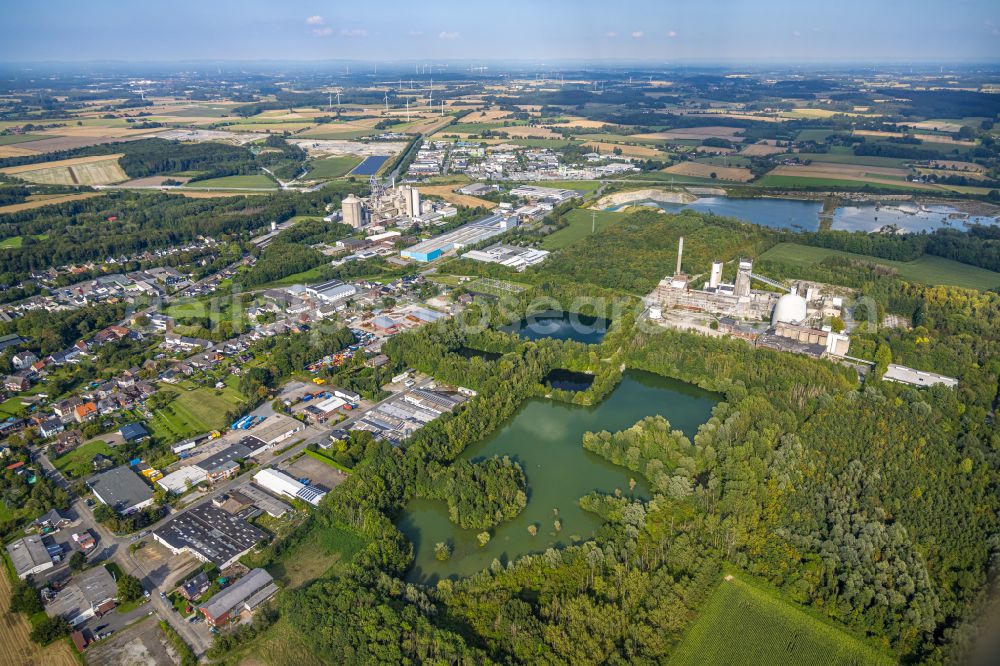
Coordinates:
<point>85,412</point>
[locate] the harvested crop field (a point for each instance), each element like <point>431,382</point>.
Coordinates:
<point>696,133</point>
<point>935,126</point>
<point>15,151</point>
<point>490,116</point>
<point>47,200</point>
<point>631,151</point>
<point>16,647</point>
<point>698,170</point>
<point>528,132</point>
<point>585,123</point>
<point>447,193</point>
<point>57,143</point>
<point>761,150</point>
<point>97,170</point>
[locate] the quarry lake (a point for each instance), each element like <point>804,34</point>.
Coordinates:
<point>803,215</point>
<point>545,437</point>
<point>560,325</point>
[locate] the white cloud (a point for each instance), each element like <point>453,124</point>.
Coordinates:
<point>637,34</point>
<point>796,33</point>
<point>325,31</point>
<point>315,20</point>
<point>611,34</point>
<point>671,33</point>
<point>416,33</point>
<point>354,32</point>
<point>444,34</point>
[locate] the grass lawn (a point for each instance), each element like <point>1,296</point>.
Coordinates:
<point>333,167</point>
<point>76,463</point>
<point>305,277</point>
<point>256,181</point>
<point>280,645</point>
<point>927,269</point>
<point>194,412</point>
<point>324,550</point>
<point>578,185</point>
<point>12,407</point>
<point>329,461</point>
<point>805,181</point>
<point>580,223</point>
<point>14,242</point>
<point>744,623</point>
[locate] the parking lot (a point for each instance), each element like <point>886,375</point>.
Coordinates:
<point>142,644</point>
<point>318,472</point>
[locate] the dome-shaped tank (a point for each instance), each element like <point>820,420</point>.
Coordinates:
<point>791,309</point>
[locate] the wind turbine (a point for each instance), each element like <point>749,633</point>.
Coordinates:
<point>338,99</point>
<point>442,108</point>
<point>387,101</point>
<point>407,109</point>
<point>142,94</point>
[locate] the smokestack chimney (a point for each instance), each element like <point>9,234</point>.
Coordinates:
<point>680,254</point>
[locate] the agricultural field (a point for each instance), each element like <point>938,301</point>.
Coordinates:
<point>694,133</point>
<point>42,200</point>
<point>761,150</point>
<point>644,152</point>
<point>251,181</point>
<point>699,170</point>
<point>447,192</point>
<point>98,170</point>
<point>76,463</point>
<point>927,269</point>
<point>742,623</point>
<point>580,223</point>
<point>9,139</point>
<point>16,647</point>
<point>333,167</point>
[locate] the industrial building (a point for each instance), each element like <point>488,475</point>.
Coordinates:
<point>550,194</point>
<point>246,594</point>
<point>912,377</point>
<point>210,534</point>
<point>90,593</point>
<point>281,484</point>
<point>469,234</point>
<point>792,323</point>
<point>29,556</point>
<point>183,479</point>
<point>511,256</point>
<point>223,464</point>
<point>717,297</point>
<point>273,431</point>
<point>334,291</point>
<point>264,501</point>
<point>381,206</point>
<point>121,489</point>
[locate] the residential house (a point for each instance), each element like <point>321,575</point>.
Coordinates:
<point>17,383</point>
<point>23,360</point>
<point>50,427</point>
<point>85,412</point>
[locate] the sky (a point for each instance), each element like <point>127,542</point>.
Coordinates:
<point>662,31</point>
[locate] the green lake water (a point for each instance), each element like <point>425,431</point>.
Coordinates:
<point>545,437</point>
